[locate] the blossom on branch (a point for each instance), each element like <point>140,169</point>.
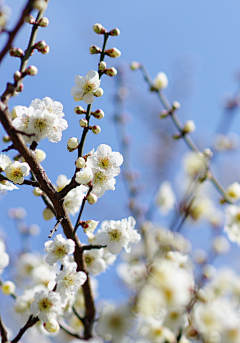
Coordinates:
<point>59,249</point>
<point>86,87</point>
<point>16,171</point>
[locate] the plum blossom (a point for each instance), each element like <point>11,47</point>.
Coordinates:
<point>84,176</point>
<point>46,305</point>
<point>85,87</point>
<point>59,249</point>
<point>4,257</point>
<point>16,171</point>
<point>102,182</point>
<point>118,234</point>
<point>94,261</point>
<point>165,198</point>
<point>232,224</point>
<point>69,281</point>
<point>4,162</point>
<point>106,160</point>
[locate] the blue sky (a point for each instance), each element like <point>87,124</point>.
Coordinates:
<point>196,43</point>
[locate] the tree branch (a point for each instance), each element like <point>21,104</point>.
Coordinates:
<point>31,321</point>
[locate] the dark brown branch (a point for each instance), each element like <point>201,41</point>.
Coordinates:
<point>90,247</point>
<point>72,184</point>
<point>3,331</point>
<point>12,34</point>
<point>10,147</point>
<point>31,321</point>
<point>55,227</point>
<point>25,182</point>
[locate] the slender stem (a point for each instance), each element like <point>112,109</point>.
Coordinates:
<point>31,321</point>
<point>3,332</point>
<point>90,247</point>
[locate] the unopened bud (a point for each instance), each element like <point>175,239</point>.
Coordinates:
<point>32,70</point>
<point>79,110</point>
<point>80,162</point>
<point>99,29</point>
<point>14,112</point>
<point>20,88</point>
<point>96,129</point>
<point>29,19</point>
<point>189,127</point>
<point>6,139</point>
<point>83,123</point>
<point>47,214</point>
<point>114,32</point>
<point>94,49</point>
<point>102,65</point>
<point>164,114</point>
<point>160,81</point>
<point>37,192</point>
<point>39,5</point>
<point>12,51</point>
<point>8,287</point>
<point>72,143</point>
<point>43,22</point>
<point>17,75</point>
<point>51,326</point>
<point>92,198</point>
<point>135,65</point>
<point>40,155</point>
<point>40,45</point>
<point>208,153</point>
<point>98,93</point>
<point>45,50</point>
<point>16,52</point>
<point>114,52</point>
<point>176,105</point>
<point>111,71</point>
<point>99,114</point>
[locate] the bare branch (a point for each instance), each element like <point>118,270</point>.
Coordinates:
<point>3,331</point>
<point>31,321</point>
<point>55,227</point>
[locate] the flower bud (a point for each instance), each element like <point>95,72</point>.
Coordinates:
<point>99,114</point>
<point>40,45</point>
<point>83,123</point>
<point>20,88</point>
<point>40,155</point>
<point>96,129</point>
<point>47,214</point>
<point>135,65</point>
<point>29,19</point>
<point>72,143</point>
<point>221,245</point>
<point>98,93</point>
<point>79,110</point>
<point>161,81</point>
<point>92,198</point>
<point>111,71</point>
<point>102,65</point>
<point>14,113</point>
<point>176,105</point>
<point>16,52</point>
<point>45,50</point>
<point>80,163</point>
<point>114,32</point>
<point>37,192</point>
<point>51,326</point>
<point>164,114</point>
<point>8,287</point>
<point>17,75</point>
<point>207,153</point>
<point>43,22</point>
<point>6,139</point>
<point>32,70</point>
<point>39,5</point>
<point>114,52</point>
<point>94,50</point>
<point>189,127</point>
<point>99,29</point>
<point>84,176</point>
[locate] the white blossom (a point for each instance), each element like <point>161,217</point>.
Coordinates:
<point>84,176</point>
<point>16,171</point>
<point>69,280</point>
<point>59,249</point>
<point>106,160</point>
<point>4,162</point>
<point>232,224</point>
<point>94,261</point>
<point>46,305</point>
<point>85,87</point>
<point>102,182</point>
<point>161,81</point>
<point>118,234</point>
<point>47,103</point>
<point>89,227</point>
<point>165,198</point>
<point>4,257</point>
<point>6,186</point>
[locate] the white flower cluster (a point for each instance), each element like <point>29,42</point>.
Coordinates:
<point>118,234</point>
<point>43,118</point>
<point>48,306</point>
<point>5,164</point>
<point>101,168</point>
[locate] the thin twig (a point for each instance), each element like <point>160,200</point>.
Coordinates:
<point>31,321</point>
<point>3,331</point>
<point>90,247</point>
<point>55,227</point>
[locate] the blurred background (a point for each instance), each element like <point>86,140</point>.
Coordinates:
<point>196,43</point>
